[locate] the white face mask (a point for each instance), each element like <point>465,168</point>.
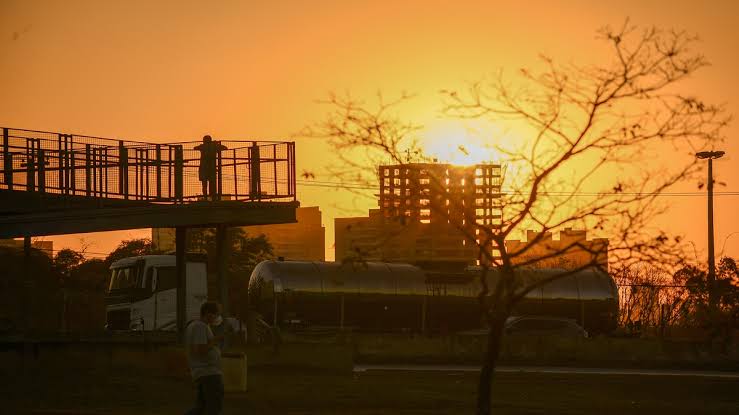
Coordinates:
<point>218,321</point>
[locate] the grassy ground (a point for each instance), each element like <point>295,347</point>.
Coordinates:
<point>304,392</point>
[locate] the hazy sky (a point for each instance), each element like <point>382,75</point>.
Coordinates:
<point>165,71</point>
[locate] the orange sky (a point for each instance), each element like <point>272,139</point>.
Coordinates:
<point>177,70</point>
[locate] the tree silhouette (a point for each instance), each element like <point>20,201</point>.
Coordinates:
<point>594,157</point>
<point>130,248</point>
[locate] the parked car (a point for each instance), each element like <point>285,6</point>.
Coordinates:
<point>544,326</point>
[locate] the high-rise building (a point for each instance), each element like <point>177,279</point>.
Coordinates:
<point>303,240</point>
<point>427,214</point>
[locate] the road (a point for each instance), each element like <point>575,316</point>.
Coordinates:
<point>551,369</point>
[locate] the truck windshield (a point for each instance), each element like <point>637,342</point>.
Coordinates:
<point>124,278</point>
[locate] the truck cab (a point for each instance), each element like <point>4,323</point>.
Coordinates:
<point>142,293</point>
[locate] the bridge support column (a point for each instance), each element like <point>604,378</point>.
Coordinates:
<point>27,308</point>
<point>181,267</point>
<point>222,251</point>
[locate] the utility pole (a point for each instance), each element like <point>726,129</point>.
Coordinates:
<point>710,155</point>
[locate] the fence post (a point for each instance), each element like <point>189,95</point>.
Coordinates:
<point>7,160</point>
<point>178,170</point>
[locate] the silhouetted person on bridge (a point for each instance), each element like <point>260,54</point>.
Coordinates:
<point>207,172</point>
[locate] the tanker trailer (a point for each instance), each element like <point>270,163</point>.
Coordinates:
<point>374,296</point>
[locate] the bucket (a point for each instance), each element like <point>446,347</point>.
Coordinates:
<point>233,366</point>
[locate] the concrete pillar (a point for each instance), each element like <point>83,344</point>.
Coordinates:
<point>27,308</point>
<point>222,251</point>
<point>423,314</point>
<point>181,266</point>
<point>341,313</point>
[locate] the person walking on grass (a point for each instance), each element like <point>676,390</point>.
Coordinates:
<point>207,174</point>
<point>204,358</point>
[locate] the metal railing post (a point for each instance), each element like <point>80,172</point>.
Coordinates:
<point>93,169</point>
<point>60,165</point>
<point>123,169</point>
<point>88,163</point>
<point>159,170</point>
<point>41,171</point>
<point>178,170</point>
<point>30,166</point>
<point>72,175</point>
<point>255,176</point>
<point>219,176</point>
<point>7,160</point>
<point>274,167</point>
<point>292,177</point>
<point>236,177</point>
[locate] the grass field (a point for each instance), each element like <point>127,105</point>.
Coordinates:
<point>308,392</point>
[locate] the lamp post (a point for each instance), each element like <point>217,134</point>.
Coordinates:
<point>710,155</point>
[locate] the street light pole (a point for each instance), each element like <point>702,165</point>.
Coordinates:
<point>711,259</point>
<point>710,155</point>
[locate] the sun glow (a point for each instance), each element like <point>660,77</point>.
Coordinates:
<point>458,144</point>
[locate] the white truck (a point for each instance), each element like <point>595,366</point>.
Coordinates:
<point>142,294</point>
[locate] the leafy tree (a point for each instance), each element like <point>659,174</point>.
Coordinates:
<point>130,248</point>
<point>66,261</point>
<point>92,274</point>
<point>721,320</point>
<point>592,129</point>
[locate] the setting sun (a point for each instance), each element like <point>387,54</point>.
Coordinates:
<point>457,143</point>
<point>369,206</point>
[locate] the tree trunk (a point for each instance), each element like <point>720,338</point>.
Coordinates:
<point>484,389</point>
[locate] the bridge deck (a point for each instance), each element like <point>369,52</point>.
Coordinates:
<point>56,183</point>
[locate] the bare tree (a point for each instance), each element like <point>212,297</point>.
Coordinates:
<point>602,143</point>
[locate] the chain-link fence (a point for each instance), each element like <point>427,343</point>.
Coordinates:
<point>77,165</point>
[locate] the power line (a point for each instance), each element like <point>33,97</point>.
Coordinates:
<point>362,186</point>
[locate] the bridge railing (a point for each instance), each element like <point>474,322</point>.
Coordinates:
<point>77,165</point>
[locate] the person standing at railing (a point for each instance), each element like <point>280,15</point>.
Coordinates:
<point>207,174</point>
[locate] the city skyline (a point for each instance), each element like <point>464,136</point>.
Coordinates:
<point>259,91</point>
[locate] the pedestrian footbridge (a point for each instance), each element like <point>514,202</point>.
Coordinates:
<point>56,183</point>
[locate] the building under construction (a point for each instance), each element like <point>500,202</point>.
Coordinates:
<point>427,213</point>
